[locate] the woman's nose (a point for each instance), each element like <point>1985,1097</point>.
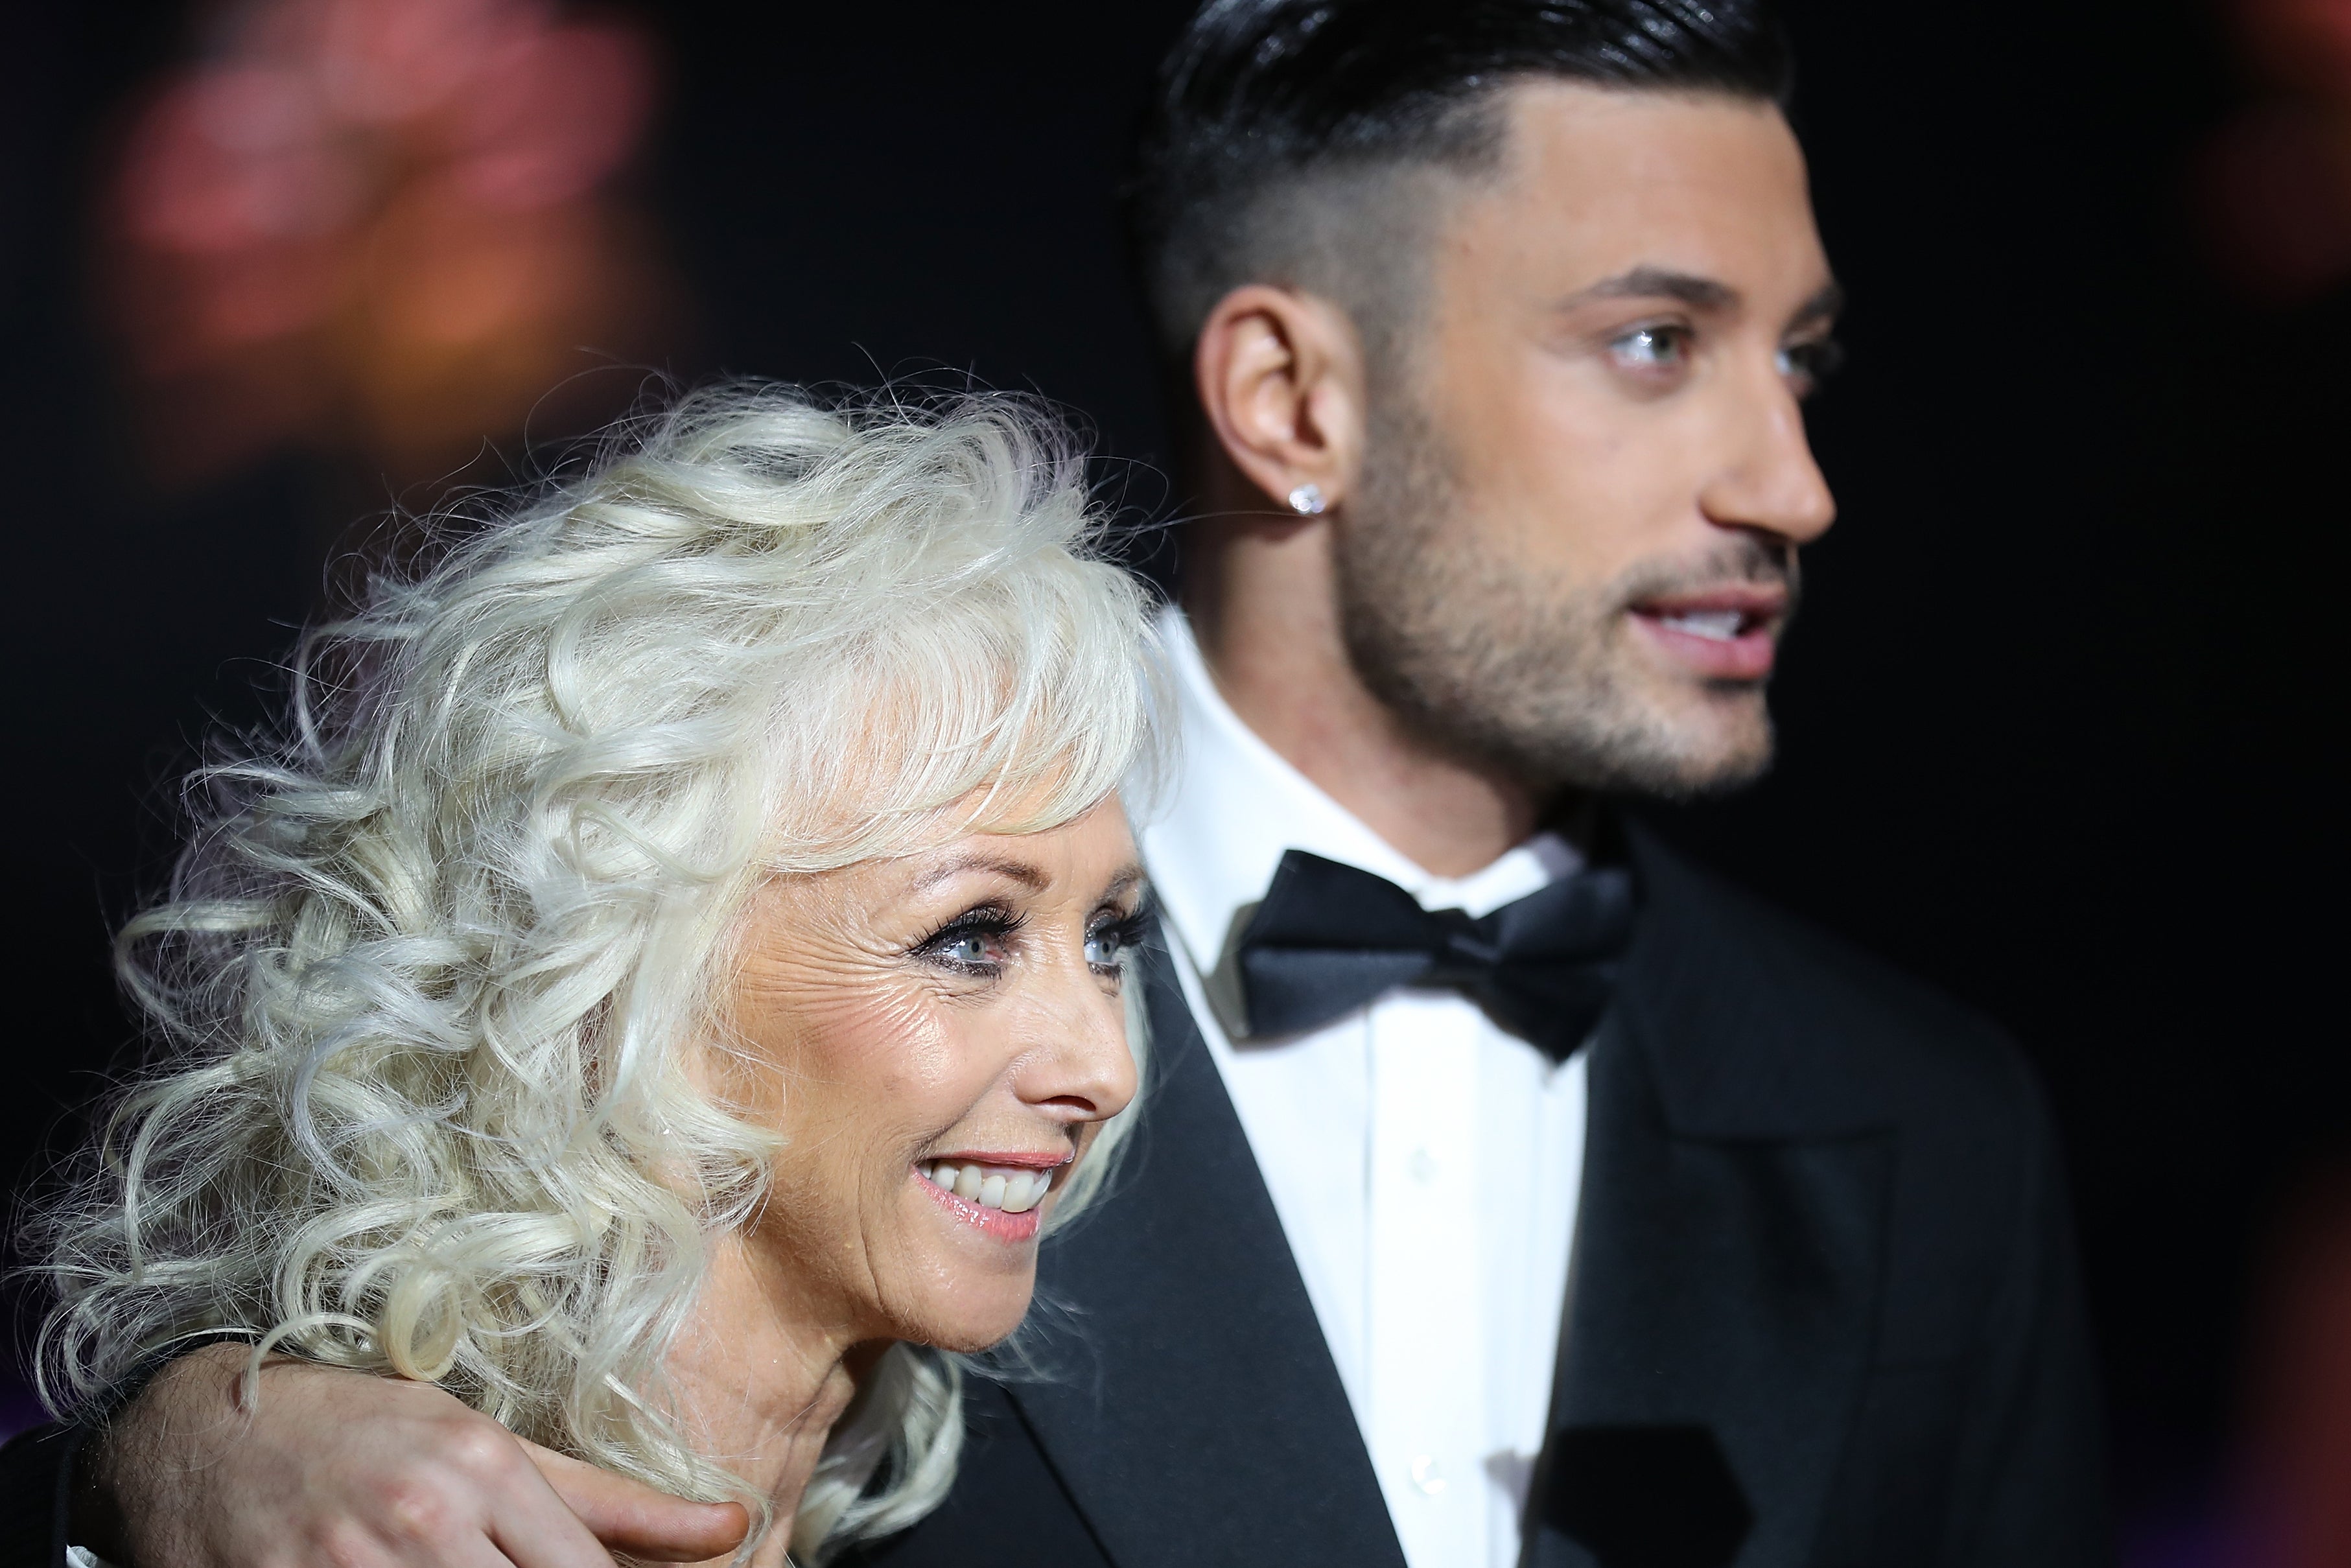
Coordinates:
<point>1084,1066</point>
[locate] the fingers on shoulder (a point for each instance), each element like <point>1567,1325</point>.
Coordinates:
<point>354,1544</point>
<point>481,1447</point>
<point>463,1493</point>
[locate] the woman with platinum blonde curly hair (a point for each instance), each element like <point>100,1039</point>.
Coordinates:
<point>667,976</point>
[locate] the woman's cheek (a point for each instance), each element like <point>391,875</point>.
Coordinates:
<point>866,1042</point>
<point>929,1056</point>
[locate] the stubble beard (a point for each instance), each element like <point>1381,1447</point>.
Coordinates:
<point>1488,660</point>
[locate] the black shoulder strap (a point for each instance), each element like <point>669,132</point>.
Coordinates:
<point>36,1495</point>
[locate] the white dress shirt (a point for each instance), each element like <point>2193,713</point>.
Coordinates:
<point>1425,1165</point>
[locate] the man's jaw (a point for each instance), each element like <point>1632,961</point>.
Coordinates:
<point>1729,633</point>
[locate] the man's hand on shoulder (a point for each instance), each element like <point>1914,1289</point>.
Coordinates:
<point>355,1471</point>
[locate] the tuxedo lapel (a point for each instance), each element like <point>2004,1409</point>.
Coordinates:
<point>1727,1275</point>
<point>1727,1266</point>
<point>1182,1392</point>
<point>1725,1292</point>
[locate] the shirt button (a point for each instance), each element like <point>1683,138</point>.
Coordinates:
<point>1427,1475</point>
<point>1422,1166</point>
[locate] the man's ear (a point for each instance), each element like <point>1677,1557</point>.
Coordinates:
<point>1280,379</point>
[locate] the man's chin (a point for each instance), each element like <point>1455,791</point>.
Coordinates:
<point>1613,719</point>
<point>1715,744</point>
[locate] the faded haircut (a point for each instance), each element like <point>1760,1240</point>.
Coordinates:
<point>1302,143</point>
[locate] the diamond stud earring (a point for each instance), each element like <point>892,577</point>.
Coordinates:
<point>1306,500</point>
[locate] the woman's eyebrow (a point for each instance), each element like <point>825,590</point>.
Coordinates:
<point>1027,875</point>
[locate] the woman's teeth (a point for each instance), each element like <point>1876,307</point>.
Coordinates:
<point>1015,1189</point>
<point>1721,625</point>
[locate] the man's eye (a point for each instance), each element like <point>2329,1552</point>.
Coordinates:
<point>1809,364</point>
<point>1652,348</point>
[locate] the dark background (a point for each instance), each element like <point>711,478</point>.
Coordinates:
<point>2054,719</point>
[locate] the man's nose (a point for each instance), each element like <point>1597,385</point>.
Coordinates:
<point>1769,481</point>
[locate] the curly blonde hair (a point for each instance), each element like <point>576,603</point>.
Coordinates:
<point>422,978</point>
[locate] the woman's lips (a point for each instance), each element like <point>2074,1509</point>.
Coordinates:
<point>1729,635</point>
<point>1001,1196</point>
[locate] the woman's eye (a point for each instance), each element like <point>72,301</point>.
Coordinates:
<point>970,948</point>
<point>1652,348</point>
<point>1107,943</point>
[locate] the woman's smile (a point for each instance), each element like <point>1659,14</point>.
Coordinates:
<point>998,1195</point>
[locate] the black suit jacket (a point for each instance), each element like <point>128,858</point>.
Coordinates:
<point>1824,1307</point>
<point>1824,1310</point>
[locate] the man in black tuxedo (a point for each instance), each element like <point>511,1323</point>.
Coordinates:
<point>1610,1218</point>
<point>1498,317</point>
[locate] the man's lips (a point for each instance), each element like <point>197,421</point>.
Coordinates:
<point>1725,634</point>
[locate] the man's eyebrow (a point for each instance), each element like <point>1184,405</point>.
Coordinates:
<point>1826,303</point>
<point>1021,871</point>
<point>1658,283</point>
<point>1700,293</point>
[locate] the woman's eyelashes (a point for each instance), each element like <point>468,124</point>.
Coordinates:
<point>1110,936</point>
<point>976,942</point>
<point>985,941</point>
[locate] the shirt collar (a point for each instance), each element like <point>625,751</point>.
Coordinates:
<point>1238,805</point>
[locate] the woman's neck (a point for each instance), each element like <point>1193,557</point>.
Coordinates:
<point>759,1386</point>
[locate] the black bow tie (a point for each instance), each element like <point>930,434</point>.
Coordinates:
<point>1329,939</point>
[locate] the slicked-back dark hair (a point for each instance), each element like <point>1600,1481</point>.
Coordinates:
<point>1261,99</point>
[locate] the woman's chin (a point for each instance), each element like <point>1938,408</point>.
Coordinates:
<point>968,1319</point>
<point>976,1264</point>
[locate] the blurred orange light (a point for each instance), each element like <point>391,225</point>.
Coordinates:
<point>2304,44</point>
<point>381,227</point>
<point>2274,185</point>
